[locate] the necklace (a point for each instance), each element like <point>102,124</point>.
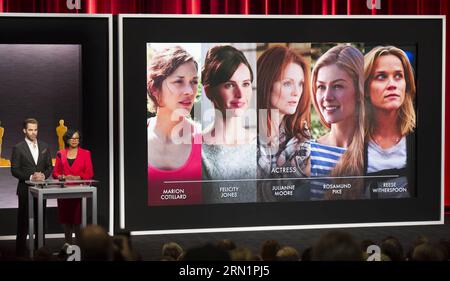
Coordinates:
<point>379,140</point>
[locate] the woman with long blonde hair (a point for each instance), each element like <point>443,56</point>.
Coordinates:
<point>390,90</point>
<point>338,96</point>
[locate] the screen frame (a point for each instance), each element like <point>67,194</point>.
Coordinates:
<point>110,102</point>
<point>122,207</point>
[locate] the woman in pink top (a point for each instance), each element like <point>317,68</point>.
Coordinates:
<point>174,140</point>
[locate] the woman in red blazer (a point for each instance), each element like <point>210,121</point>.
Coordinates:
<point>72,163</point>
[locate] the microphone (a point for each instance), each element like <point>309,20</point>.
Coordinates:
<point>60,178</point>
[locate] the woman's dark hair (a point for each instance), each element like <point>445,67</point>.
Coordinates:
<point>220,64</point>
<point>162,65</point>
<point>68,135</point>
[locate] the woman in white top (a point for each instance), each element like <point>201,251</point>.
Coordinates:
<point>390,89</point>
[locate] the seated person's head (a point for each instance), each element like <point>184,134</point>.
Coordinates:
<point>391,247</point>
<point>241,254</point>
<point>287,254</point>
<point>269,250</point>
<point>337,246</point>
<point>172,249</point>
<point>95,244</point>
<point>428,252</point>
<point>226,244</point>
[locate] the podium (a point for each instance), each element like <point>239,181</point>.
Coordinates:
<point>55,189</point>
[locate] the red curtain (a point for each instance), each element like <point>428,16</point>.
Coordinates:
<point>269,7</point>
<point>309,7</point>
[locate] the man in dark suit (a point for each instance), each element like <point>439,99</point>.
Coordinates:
<point>30,160</point>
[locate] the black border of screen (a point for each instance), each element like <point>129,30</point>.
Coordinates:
<point>92,33</point>
<point>426,33</point>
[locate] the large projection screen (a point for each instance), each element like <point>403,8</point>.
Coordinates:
<point>347,103</point>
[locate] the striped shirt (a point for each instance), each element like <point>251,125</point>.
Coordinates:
<point>323,159</point>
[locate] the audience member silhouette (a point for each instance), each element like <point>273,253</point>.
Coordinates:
<point>337,246</point>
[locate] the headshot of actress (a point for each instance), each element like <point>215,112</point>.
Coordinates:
<point>390,116</point>
<point>284,102</point>
<point>229,147</point>
<point>338,96</point>
<point>174,139</point>
<point>72,163</point>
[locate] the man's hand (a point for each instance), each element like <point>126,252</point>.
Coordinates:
<point>38,176</point>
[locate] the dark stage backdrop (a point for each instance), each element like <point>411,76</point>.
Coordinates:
<point>39,81</point>
<point>52,68</point>
<point>272,7</point>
